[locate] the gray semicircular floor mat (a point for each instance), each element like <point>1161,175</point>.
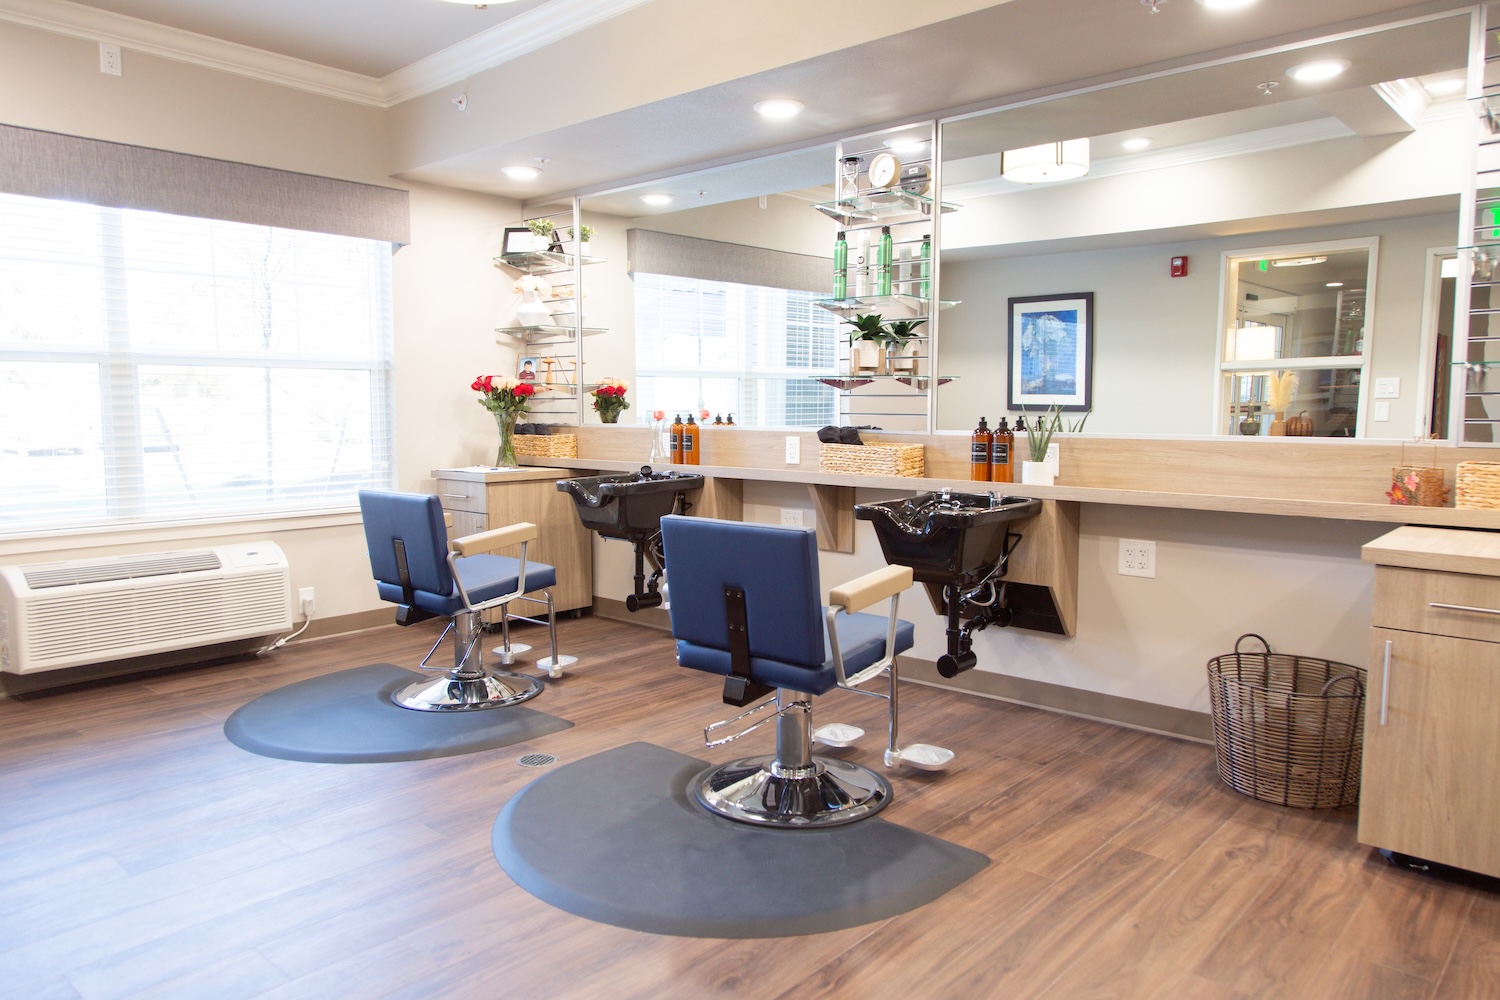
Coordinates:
<point>617,838</point>
<point>347,717</point>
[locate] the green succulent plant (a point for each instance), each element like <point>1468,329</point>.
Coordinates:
<point>902,330</point>
<point>867,327</point>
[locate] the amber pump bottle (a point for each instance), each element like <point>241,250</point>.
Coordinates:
<point>690,450</point>
<point>1002,469</point>
<point>980,444</point>
<point>676,439</point>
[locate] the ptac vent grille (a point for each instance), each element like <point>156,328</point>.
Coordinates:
<point>123,568</point>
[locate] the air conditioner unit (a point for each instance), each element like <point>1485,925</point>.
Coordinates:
<point>64,614</point>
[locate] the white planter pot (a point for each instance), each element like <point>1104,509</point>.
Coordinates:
<point>864,357</point>
<point>540,244</point>
<point>1037,474</point>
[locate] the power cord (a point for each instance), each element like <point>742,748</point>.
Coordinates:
<point>273,647</point>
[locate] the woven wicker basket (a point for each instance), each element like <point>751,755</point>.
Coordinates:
<point>547,445</point>
<point>874,459</point>
<point>1478,485</point>
<point>1417,486</point>
<point>1288,729</point>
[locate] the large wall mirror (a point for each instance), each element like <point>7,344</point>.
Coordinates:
<point>1205,170</point>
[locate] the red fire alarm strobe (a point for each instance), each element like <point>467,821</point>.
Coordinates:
<point>1179,267</point>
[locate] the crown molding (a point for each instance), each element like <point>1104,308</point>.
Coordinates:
<point>511,39</point>
<point>515,37</point>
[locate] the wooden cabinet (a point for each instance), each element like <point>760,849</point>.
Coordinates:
<point>1432,727</point>
<point>480,499</point>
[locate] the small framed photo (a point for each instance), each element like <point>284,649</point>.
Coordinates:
<point>1051,351</point>
<point>517,240</point>
<point>526,369</point>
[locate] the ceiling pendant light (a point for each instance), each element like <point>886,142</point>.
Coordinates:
<point>1051,161</point>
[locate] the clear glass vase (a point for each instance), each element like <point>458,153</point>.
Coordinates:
<point>506,455</point>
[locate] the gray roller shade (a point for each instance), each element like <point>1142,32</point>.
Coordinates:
<point>651,252</point>
<point>68,168</point>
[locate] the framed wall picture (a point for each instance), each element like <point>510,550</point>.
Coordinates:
<point>526,369</point>
<point>517,239</point>
<point>1051,349</point>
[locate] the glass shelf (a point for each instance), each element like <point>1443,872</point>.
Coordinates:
<point>846,382</point>
<point>864,303</point>
<point>548,334</point>
<point>544,261</point>
<point>879,206</point>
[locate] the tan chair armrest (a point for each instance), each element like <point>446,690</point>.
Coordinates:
<point>447,519</point>
<point>864,591</point>
<point>497,538</point>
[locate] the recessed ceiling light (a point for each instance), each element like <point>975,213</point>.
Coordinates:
<point>1136,144</point>
<point>779,108</point>
<point>1444,86</point>
<point>657,199</point>
<point>906,145</point>
<point>1318,70</point>
<point>1226,4</point>
<point>520,172</point>
<point>1334,284</point>
<point>1298,261</point>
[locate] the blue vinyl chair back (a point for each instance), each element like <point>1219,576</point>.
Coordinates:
<point>776,567</point>
<point>417,520</point>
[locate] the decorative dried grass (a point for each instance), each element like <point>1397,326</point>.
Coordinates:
<point>547,445</point>
<point>1478,485</point>
<point>908,460</point>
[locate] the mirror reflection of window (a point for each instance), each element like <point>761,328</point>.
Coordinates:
<point>1299,310</point>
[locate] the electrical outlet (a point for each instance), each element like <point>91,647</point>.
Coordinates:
<point>109,59</point>
<point>793,451</point>
<point>1054,456</point>
<point>1137,558</point>
<point>305,602</point>
<point>791,517</point>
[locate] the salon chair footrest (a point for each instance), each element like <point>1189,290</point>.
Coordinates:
<point>923,756</point>
<point>837,734</point>
<point>746,791</point>
<point>491,689</point>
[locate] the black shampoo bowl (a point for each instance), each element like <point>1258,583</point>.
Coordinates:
<point>957,544</point>
<point>631,506</point>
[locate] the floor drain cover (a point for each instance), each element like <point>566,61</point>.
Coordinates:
<point>536,760</point>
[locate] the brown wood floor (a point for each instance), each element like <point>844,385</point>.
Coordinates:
<point>143,855</point>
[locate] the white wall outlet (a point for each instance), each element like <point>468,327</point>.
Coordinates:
<point>1054,456</point>
<point>306,602</point>
<point>1382,410</point>
<point>793,451</point>
<point>791,517</point>
<point>1137,558</point>
<point>109,59</point>
<point>1388,388</point>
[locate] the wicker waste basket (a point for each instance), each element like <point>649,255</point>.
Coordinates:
<point>1288,729</point>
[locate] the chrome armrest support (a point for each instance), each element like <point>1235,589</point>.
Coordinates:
<point>486,542</point>
<point>710,742</point>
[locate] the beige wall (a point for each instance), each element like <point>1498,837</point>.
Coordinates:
<point>446,291</point>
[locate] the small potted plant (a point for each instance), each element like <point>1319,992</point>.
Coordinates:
<point>541,233</point>
<point>1041,469</point>
<point>581,245</point>
<point>902,349</point>
<point>866,342</point>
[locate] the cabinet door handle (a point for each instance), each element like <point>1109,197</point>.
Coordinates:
<point>1385,682</point>
<point>1464,607</point>
<point>457,496</point>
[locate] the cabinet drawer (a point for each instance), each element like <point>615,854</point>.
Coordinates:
<point>1405,599</point>
<point>459,494</point>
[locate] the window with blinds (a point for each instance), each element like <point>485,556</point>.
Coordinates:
<point>727,348</point>
<point>159,367</point>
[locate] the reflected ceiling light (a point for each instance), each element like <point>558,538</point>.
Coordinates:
<point>906,145</point>
<point>1051,161</point>
<point>1318,70</point>
<point>1444,86</point>
<point>1226,4</point>
<point>657,199</point>
<point>520,172</point>
<point>1136,144</point>
<point>1298,261</point>
<point>1334,284</point>
<point>779,108</point>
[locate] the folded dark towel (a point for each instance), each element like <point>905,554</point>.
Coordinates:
<point>829,434</point>
<point>849,435</point>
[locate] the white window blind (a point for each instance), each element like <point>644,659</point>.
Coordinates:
<point>729,348</point>
<point>159,366</point>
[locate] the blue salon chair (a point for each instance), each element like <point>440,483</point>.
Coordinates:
<point>427,575</point>
<point>746,604</point>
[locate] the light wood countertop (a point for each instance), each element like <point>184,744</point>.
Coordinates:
<point>1472,552</point>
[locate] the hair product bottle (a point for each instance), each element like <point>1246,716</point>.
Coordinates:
<point>979,452</point>
<point>690,451</point>
<point>676,440</point>
<point>859,284</point>
<point>924,278</point>
<point>883,260</point>
<point>841,267</point>
<point>1002,469</point>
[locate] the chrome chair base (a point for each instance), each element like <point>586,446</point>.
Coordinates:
<point>466,693</point>
<point>758,790</point>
